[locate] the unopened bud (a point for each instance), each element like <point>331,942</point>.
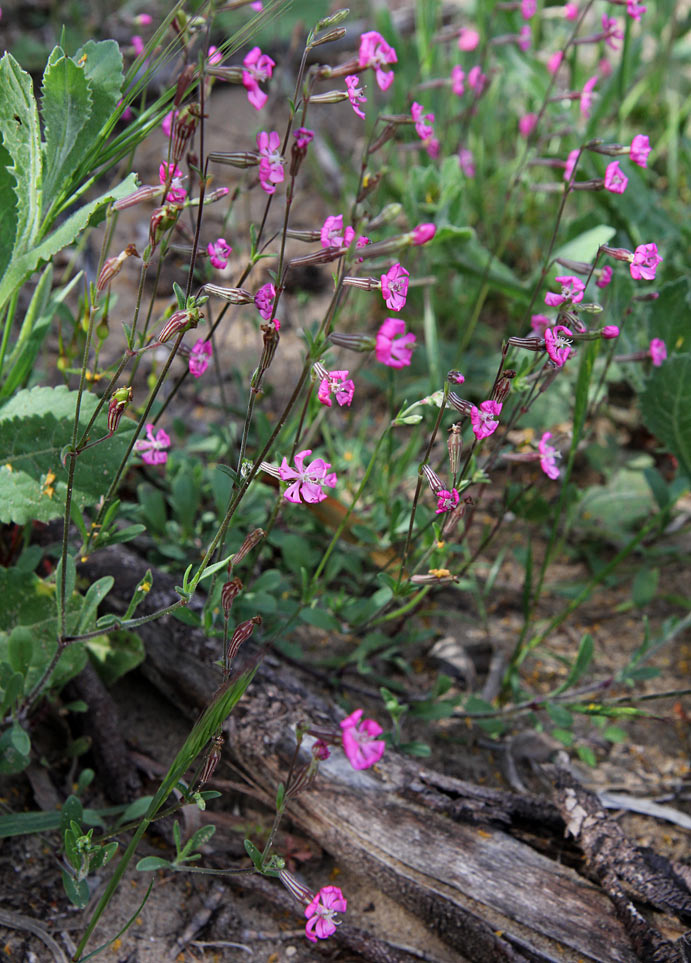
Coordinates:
<point>119,401</point>
<point>185,125</point>
<point>609,332</point>
<point>162,219</point>
<point>502,387</point>
<point>113,265</point>
<point>329,37</point>
<point>455,445</point>
<point>338,16</point>
<point>241,634</point>
<point>184,80</point>
<point>231,295</point>
<point>353,342</point>
<point>271,338</point>
<point>423,233</point>
<point>229,593</point>
<point>455,377</point>
<point>144,193</point>
<point>180,321</point>
<point>387,216</point>
<point>254,538</point>
<point>212,760</point>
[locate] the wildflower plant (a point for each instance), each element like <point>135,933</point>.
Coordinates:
<point>489,220</point>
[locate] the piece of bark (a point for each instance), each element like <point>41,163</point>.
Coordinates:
<point>439,847</point>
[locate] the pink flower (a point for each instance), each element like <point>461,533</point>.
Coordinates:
<point>176,193</point>
<point>610,331</point>
<point>645,262</point>
<point>571,164</point>
<point>376,52</point>
<point>605,277</point>
<point>143,19</point>
<point>337,384</point>
<point>423,233</point>
<point>658,352</point>
<point>362,241</point>
<point>394,287</point>
<point>528,8</point>
<point>332,233</point>
<point>355,94</point>
<point>264,300</point>
<point>271,163</point>
<point>200,357</point>
<point>447,500</point>
<point>424,129</point>
<point>138,45</point>
<point>539,323</point>
<point>572,289</point>
<point>476,79</point>
<point>153,449</point>
<point>168,121</point>
<point>458,80</point>
<point>615,179</point>
<point>571,11</point>
<point>640,148</point>
<point>635,9</point>
<point>558,347</point>
<point>393,346</point>
<point>587,96</point>
<point>468,39</point>
<point>257,5</point>
<point>466,161</point>
<point>525,38</point>
<point>612,34</point>
<point>360,744</point>
<point>526,124</point>
<point>554,62</point>
<point>214,56</point>
<point>548,457</point>
<point>303,137</point>
<point>307,480</point>
<point>321,911</point>
<point>219,253</point>
<point>258,68</point>
<point>485,419</point>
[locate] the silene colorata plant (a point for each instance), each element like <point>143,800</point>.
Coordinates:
<point>493,262</point>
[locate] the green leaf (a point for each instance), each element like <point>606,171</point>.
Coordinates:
<point>559,715</point>
<point>11,759</point>
<point>21,138</point>
<point>66,107</point>
<point>116,653</point>
<point>584,247</point>
<point>151,863</point>
<point>93,598</point>
<point>25,263</point>
<point>35,426</point>
<point>77,891</point>
<point>580,665</point>
<point>666,407</point>
<point>321,619</point>
<point>644,586</point>
<point>102,64</point>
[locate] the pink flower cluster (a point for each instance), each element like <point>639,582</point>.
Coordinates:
<point>258,67</point>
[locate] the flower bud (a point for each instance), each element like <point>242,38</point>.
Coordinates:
<point>180,321</point>
<point>212,760</point>
<point>333,20</point>
<point>184,80</point>
<point>455,445</point>
<point>433,480</point>
<point>529,344</point>
<point>229,593</point>
<point>423,233</point>
<point>610,331</point>
<point>271,338</point>
<point>113,265</point>
<point>144,193</point>
<point>231,295</point>
<point>386,216</point>
<point>119,401</point>
<point>455,377</point>
<point>329,37</point>
<point>619,253</point>
<point>241,634</point>
<point>254,538</point>
<point>353,342</point>
<point>162,219</point>
<point>185,126</point>
<point>435,576</point>
<point>459,404</point>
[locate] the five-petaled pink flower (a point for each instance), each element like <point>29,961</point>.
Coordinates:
<point>587,96</point>
<point>355,94</point>
<point>447,500</point>
<point>657,351</point>
<point>258,67</point>
<point>615,179</point>
<point>612,33</point>
<point>219,253</point>
<point>200,357</point>
<point>557,343</point>
<point>572,289</point>
<point>645,262</point>
<point>394,286</point>
<point>640,148</point>
<point>485,418</point>
<point>271,163</point>
<point>321,911</point>
<point>458,80</point>
<point>264,300</point>
<point>468,38</point>
<point>303,137</point>
<point>360,742</point>
<point>176,193</point>
<point>307,479</point>
<point>153,448</point>
<point>393,346</point>
<point>571,163</point>
<point>424,129</point>
<point>466,161</point>
<point>548,457</point>
<point>605,276</point>
<point>337,384</point>
<point>477,80</point>
<point>635,9</point>
<point>333,234</point>
<point>377,53</point>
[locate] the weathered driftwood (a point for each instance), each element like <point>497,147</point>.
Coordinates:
<point>441,847</point>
